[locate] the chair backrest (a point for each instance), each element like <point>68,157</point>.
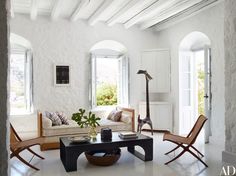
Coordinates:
<point>197,128</point>
<point>14,137</point>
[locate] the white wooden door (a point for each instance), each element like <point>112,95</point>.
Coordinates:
<point>163,71</point>
<point>157,64</point>
<point>149,62</point>
<point>186,92</point>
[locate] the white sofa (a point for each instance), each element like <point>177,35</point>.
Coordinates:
<point>51,134</point>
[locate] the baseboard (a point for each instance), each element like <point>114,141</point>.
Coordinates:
<point>229,157</point>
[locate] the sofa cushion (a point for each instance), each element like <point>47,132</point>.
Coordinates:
<point>100,113</point>
<point>114,115</point>
<point>73,128</point>
<point>125,118</point>
<point>47,123</point>
<point>63,118</point>
<point>56,121</point>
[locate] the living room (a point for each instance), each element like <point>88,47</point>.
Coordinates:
<point>173,41</point>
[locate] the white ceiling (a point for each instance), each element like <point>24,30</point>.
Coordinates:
<point>144,13</point>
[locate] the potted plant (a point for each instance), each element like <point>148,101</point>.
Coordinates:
<point>90,121</point>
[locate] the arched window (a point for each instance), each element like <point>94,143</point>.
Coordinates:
<point>20,76</point>
<point>109,74</point>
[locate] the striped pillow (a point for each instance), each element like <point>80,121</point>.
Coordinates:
<point>63,118</point>
<point>114,115</point>
<point>56,121</point>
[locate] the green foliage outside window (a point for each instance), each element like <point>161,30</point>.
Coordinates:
<point>106,94</point>
<point>201,77</point>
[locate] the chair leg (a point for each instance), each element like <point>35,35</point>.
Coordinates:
<point>197,157</point>
<point>35,153</point>
<point>179,155</point>
<point>172,150</point>
<point>12,155</point>
<point>25,162</point>
<point>197,151</point>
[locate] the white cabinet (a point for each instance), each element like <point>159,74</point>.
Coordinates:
<point>157,64</point>
<point>160,113</point>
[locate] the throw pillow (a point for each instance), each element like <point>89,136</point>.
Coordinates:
<point>63,118</point>
<point>114,115</point>
<point>125,118</point>
<point>56,121</point>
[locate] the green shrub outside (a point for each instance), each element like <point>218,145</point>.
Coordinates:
<point>201,91</point>
<point>106,94</point>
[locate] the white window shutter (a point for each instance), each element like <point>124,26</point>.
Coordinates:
<point>29,80</point>
<point>92,86</point>
<point>124,81</point>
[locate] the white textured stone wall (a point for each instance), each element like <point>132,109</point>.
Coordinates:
<point>230,75</point>
<point>3,89</point>
<point>211,23</point>
<point>68,42</point>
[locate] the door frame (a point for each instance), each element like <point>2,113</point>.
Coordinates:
<point>193,91</point>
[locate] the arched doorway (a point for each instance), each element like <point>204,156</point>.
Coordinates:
<point>109,76</point>
<point>194,81</point>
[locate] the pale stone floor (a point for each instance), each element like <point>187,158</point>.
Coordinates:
<point>127,165</point>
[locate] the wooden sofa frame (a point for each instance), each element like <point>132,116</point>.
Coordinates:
<point>55,145</point>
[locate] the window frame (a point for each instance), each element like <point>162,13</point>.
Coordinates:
<point>123,95</point>
<point>28,80</point>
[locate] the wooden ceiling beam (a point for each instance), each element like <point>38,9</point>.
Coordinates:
<point>56,9</point>
<point>194,10</point>
<point>82,4</point>
<point>150,11</point>
<point>132,9</point>
<point>120,13</point>
<point>99,12</point>
<point>34,9</point>
<point>177,8</point>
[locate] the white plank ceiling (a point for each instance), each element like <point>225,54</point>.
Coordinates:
<point>143,13</point>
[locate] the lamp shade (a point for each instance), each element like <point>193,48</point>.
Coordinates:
<point>145,73</point>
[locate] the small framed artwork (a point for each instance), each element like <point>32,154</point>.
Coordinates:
<point>61,75</point>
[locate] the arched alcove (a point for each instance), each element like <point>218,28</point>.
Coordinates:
<point>194,81</point>
<point>109,47</point>
<point>194,41</point>
<point>17,40</point>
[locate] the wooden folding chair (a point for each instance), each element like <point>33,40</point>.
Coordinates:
<point>187,142</point>
<point>17,146</point>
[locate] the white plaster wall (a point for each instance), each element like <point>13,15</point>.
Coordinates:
<point>68,42</point>
<point>230,76</point>
<point>210,22</point>
<point>4,138</point>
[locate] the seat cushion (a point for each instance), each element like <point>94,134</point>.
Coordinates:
<point>73,128</point>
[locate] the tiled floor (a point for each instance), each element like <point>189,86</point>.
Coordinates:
<point>128,165</point>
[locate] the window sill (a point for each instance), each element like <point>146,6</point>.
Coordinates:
<point>22,114</point>
<point>103,108</point>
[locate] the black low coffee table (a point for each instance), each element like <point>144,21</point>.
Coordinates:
<point>69,152</point>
